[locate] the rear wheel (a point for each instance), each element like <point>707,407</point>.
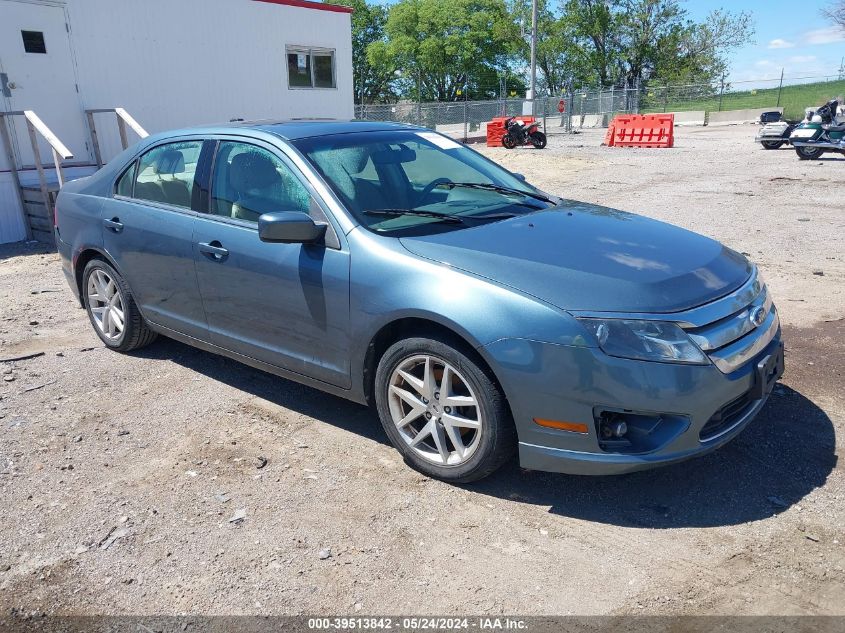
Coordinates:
<point>772,144</point>
<point>538,140</point>
<point>442,411</point>
<point>508,141</point>
<point>809,153</point>
<point>112,310</point>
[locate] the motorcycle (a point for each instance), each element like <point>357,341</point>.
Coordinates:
<point>775,132</point>
<point>823,132</point>
<point>518,133</point>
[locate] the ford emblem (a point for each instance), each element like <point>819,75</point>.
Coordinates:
<point>757,316</point>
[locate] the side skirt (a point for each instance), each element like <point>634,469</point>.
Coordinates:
<point>347,394</point>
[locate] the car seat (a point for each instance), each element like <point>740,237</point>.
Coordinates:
<point>257,185</point>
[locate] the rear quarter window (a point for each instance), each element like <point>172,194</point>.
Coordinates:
<point>123,187</point>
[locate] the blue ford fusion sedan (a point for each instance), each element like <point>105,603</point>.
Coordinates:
<point>392,266</point>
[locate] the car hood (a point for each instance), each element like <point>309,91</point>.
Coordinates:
<point>585,257</point>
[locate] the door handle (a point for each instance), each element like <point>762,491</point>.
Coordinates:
<point>213,250</point>
<point>113,225</point>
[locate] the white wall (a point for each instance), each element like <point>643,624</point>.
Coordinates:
<point>189,62</point>
<point>180,63</point>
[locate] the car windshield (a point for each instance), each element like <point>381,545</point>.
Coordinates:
<point>416,182</point>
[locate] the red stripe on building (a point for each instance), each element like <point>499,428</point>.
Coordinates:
<point>308,4</point>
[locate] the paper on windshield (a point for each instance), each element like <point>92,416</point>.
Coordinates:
<point>441,141</point>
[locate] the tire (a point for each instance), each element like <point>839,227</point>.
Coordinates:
<point>772,144</point>
<point>486,447</point>
<point>508,142</point>
<point>538,140</point>
<point>99,279</point>
<point>809,153</point>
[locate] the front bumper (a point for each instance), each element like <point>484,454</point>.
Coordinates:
<point>587,381</point>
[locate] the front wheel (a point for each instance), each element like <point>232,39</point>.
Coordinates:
<point>112,309</point>
<point>772,144</point>
<point>809,153</point>
<point>538,140</point>
<point>508,141</point>
<point>442,411</point>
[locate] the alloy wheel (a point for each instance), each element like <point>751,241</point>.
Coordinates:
<point>106,304</point>
<point>435,410</point>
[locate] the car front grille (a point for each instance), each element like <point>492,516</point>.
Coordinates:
<point>726,418</point>
<point>749,326</point>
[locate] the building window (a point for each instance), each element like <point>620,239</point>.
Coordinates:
<point>33,42</point>
<point>310,68</point>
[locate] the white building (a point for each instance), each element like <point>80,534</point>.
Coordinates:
<point>168,63</point>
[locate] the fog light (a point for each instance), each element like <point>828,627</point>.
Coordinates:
<point>613,429</point>
<point>626,431</point>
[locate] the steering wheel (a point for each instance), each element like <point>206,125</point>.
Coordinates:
<point>429,188</point>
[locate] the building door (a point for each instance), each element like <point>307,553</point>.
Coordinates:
<point>37,73</point>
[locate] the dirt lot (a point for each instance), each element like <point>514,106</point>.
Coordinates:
<point>119,474</point>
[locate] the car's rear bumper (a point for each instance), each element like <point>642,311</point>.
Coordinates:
<point>66,255</point>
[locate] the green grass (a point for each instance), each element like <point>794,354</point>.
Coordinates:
<point>793,99</point>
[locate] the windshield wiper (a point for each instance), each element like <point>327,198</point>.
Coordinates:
<point>443,217</point>
<point>499,188</point>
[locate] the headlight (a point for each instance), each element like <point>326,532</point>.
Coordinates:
<point>645,340</point>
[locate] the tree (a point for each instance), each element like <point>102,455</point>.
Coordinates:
<point>372,72</point>
<point>557,60</point>
<point>634,40</point>
<point>446,47</point>
<point>837,13</point>
<point>698,53</point>
<point>592,27</point>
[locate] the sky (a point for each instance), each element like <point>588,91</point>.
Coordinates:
<point>792,35</point>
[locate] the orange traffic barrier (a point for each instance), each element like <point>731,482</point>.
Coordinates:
<point>641,130</point>
<point>496,129</point>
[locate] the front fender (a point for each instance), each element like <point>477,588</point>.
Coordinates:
<point>389,284</point>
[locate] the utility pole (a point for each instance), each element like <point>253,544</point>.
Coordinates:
<point>419,95</point>
<point>780,87</point>
<point>533,57</point>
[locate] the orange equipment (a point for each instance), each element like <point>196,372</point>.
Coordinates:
<point>641,130</point>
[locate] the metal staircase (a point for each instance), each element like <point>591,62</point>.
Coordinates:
<point>37,201</point>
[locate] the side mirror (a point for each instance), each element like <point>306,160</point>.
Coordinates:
<point>518,176</point>
<point>289,227</point>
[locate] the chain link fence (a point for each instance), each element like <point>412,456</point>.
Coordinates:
<point>467,120</point>
<point>592,107</point>
<point>793,94</point>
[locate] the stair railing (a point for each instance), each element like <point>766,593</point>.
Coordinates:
<point>35,126</point>
<point>123,119</point>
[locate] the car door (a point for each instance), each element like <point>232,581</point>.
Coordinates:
<point>148,231</point>
<point>283,304</point>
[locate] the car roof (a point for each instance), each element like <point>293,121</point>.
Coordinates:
<point>294,129</point>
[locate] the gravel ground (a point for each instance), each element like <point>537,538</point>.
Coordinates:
<point>174,481</point>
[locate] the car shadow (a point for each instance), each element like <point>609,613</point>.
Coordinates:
<point>786,452</point>
<point>19,249</point>
<point>783,455</point>
<point>314,403</point>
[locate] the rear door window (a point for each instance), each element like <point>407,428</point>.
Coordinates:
<point>166,173</point>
